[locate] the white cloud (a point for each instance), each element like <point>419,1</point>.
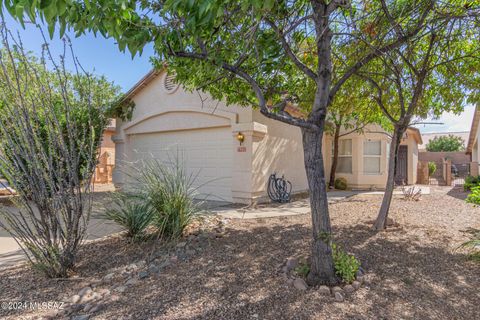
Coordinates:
<point>450,122</point>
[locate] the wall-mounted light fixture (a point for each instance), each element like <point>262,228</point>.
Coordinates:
<point>240,137</point>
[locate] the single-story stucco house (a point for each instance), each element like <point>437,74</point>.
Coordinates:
<point>234,149</point>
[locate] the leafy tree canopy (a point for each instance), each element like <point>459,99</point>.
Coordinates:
<point>250,52</point>
<point>448,143</point>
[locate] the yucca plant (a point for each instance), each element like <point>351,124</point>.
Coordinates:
<point>131,213</point>
<point>169,190</point>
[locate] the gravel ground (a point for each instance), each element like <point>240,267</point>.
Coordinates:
<point>415,270</point>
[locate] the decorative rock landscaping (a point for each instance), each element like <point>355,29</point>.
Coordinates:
<point>91,299</point>
<point>292,267</point>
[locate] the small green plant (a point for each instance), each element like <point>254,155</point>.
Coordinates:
<point>432,168</point>
<point>130,212</point>
<point>473,245</point>
<point>346,265</point>
<point>302,269</point>
<point>471,182</point>
<point>474,196</point>
<point>341,183</point>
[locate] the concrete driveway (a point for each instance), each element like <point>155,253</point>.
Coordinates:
<point>10,252</point>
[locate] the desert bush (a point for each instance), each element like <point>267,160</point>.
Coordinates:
<point>341,183</point>
<point>432,168</point>
<point>473,245</point>
<point>411,193</point>
<point>130,212</point>
<point>470,182</point>
<point>346,265</point>
<point>47,154</point>
<point>474,195</point>
<point>448,143</point>
<point>169,190</point>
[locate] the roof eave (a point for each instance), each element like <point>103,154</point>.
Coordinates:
<point>142,83</point>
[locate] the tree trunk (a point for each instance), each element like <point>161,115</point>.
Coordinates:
<point>333,168</point>
<point>381,222</point>
<point>322,269</point>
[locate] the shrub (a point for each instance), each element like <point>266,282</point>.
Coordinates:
<point>169,191</point>
<point>48,154</point>
<point>346,265</point>
<point>303,268</point>
<point>341,183</point>
<point>474,196</point>
<point>411,193</point>
<point>432,168</point>
<point>130,212</point>
<point>473,245</point>
<point>471,182</point>
<point>448,143</point>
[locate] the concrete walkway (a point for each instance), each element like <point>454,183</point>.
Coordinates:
<point>296,207</point>
<point>10,252</point>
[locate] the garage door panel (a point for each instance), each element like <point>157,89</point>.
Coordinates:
<point>206,153</point>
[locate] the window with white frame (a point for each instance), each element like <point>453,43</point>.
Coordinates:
<point>372,152</point>
<point>344,163</point>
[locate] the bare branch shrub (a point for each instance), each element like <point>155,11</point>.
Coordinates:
<point>50,127</point>
<point>411,193</point>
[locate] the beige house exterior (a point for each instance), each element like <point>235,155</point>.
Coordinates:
<point>369,157</point>
<point>169,121</point>
<point>472,145</point>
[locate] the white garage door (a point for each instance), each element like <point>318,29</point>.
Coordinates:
<point>206,152</point>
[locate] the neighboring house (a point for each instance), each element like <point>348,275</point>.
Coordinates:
<point>426,137</point>
<point>208,136</point>
<point>106,161</point>
<point>472,145</point>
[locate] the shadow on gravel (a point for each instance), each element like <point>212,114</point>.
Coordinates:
<point>236,277</point>
<point>458,192</point>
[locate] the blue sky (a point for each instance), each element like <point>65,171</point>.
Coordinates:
<point>96,54</point>
<point>102,56</point>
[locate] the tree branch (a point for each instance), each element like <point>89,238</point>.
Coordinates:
<point>379,52</point>
<point>281,116</point>
<point>309,72</point>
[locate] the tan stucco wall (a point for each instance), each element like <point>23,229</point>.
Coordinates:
<point>269,146</point>
<point>157,110</point>
<point>412,158</point>
<point>475,153</point>
<point>358,179</point>
<point>280,151</point>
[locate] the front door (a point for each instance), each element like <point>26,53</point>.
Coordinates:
<point>401,174</point>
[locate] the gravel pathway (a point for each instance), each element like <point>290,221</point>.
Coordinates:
<point>415,270</point>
